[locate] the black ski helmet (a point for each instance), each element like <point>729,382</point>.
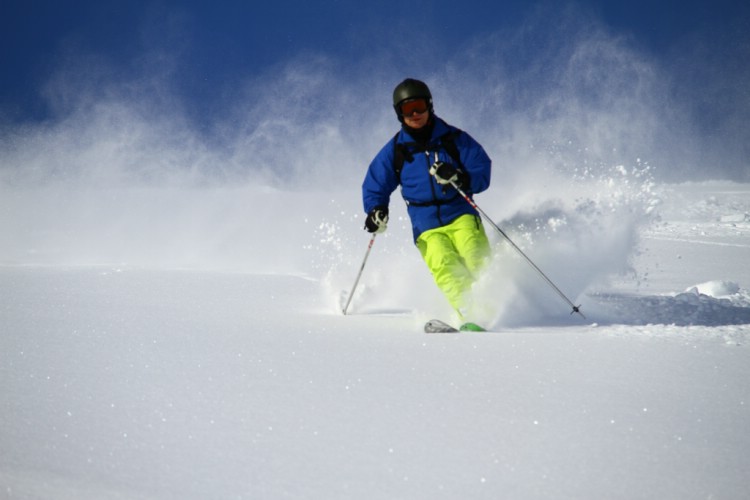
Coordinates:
<point>411,89</point>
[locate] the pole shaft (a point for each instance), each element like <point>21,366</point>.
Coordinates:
<point>359,275</point>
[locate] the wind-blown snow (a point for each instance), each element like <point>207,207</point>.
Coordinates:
<point>170,293</point>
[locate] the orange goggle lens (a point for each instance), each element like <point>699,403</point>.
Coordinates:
<point>413,106</point>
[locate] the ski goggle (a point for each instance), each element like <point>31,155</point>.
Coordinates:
<point>408,108</point>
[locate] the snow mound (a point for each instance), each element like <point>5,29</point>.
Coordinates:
<point>735,218</point>
<point>714,303</point>
<point>716,289</point>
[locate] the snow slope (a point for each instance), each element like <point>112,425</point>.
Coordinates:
<point>145,357</point>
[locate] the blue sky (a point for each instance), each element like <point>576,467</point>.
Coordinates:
<point>209,47</point>
<point>228,37</point>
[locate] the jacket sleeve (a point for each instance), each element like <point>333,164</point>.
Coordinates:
<point>476,162</point>
<point>381,179</point>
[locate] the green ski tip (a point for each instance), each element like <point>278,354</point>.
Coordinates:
<point>471,327</point>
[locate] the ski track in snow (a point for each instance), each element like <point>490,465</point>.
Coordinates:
<point>137,381</point>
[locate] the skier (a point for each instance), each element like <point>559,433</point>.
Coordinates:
<point>425,157</point>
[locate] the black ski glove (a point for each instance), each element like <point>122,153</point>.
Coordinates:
<point>446,173</point>
<point>377,220</point>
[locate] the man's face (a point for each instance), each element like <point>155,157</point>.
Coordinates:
<point>415,113</point>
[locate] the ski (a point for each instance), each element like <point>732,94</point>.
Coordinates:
<point>437,326</point>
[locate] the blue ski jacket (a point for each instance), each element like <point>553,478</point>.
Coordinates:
<point>429,204</point>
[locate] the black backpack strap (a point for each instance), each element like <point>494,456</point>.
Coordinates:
<point>399,155</point>
<point>448,142</point>
<point>402,153</point>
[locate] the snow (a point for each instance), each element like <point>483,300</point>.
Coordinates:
<point>159,352</point>
<point>171,288</point>
<point>172,277</point>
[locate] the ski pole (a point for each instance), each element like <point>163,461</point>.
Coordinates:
<point>576,308</point>
<point>362,268</point>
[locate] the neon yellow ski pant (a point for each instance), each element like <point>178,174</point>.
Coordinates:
<point>455,254</point>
